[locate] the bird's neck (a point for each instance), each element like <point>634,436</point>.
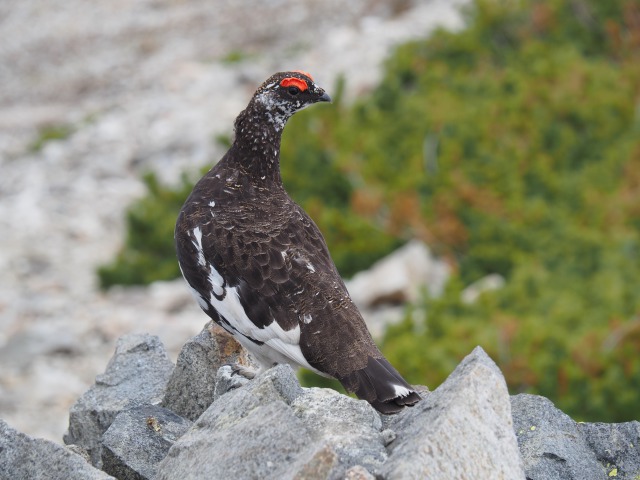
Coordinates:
<point>257,144</point>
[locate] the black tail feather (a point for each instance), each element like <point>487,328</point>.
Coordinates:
<point>381,385</point>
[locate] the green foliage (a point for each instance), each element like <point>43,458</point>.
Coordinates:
<point>49,133</point>
<point>511,147</point>
<point>235,56</point>
<point>537,177</point>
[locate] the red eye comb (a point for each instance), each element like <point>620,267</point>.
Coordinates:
<point>294,82</point>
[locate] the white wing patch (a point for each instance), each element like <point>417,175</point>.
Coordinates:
<point>196,233</point>
<point>280,346</point>
<point>201,301</point>
<point>216,281</point>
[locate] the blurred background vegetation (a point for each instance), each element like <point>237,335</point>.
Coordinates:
<point>512,147</point>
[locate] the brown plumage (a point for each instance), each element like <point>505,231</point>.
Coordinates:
<point>259,266</point>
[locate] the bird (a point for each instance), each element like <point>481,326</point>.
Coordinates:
<point>259,266</point>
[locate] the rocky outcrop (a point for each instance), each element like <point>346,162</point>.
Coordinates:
<point>138,439</point>
<point>272,428</point>
<point>462,430</point>
<point>616,446</point>
<point>137,374</point>
<point>554,447</point>
<point>24,457</point>
<point>191,387</point>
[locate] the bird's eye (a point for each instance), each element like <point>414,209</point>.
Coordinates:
<point>293,90</point>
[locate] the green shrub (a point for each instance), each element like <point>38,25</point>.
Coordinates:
<point>538,178</point>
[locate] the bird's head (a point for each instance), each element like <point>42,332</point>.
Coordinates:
<point>285,93</point>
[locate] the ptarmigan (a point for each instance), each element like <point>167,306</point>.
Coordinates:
<point>258,265</point>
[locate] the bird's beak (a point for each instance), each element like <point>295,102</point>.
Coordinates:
<point>324,98</point>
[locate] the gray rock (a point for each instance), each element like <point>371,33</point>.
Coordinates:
<point>136,374</point>
<point>491,282</point>
<point>250,432</point>
<point>400,277</point>
<point>260,444</point>
<point>80,451</point>
<point>358,473</point>
<point>138,439</point>
<point>616,446</point>
<point>394,280</point>
<point>388,436</point>
<point>550,442</point>
<point>190,390</point>
<point>321,465</point>
<point>26,458</point>
<point>277,383</point>
<point>462,430</point>
<point>349,428</point>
